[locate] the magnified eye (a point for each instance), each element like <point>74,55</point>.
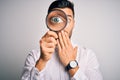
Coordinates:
<point>56,20</point>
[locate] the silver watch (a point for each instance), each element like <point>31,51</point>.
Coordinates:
<point>72,64</point>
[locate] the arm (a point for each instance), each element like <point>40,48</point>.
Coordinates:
<point>30,72</point>
<point>36,62</point>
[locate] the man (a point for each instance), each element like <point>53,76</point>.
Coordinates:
<point>58,58</point>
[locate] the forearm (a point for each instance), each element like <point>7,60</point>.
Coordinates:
<point>30,70</point>
<point>40,64</point>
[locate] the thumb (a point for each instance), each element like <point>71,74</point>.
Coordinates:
<point>75,50</point>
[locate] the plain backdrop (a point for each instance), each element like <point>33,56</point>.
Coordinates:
<point>22,24</point>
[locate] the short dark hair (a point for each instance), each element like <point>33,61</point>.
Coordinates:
<point>61,4</point>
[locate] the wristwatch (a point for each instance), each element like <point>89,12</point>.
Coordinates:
<point>72,64</point>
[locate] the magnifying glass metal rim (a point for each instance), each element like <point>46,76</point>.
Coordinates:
<point>65,24</point>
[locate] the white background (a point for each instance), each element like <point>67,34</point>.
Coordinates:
<point>22,24</point>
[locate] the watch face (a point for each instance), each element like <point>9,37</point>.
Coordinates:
<point>73,64</point>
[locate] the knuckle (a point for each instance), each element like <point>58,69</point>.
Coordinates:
<point>51,39</point>
<point>49,32</point>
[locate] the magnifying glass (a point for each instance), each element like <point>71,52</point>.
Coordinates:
<point>56,20</point>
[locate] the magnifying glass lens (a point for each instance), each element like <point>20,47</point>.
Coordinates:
<point>56,20</point>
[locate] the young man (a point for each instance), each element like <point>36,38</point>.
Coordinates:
<point>58,58</point>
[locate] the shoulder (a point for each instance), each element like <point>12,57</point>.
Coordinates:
<point>89,56</point>
<point>83,50</point>
<point>86,53</point>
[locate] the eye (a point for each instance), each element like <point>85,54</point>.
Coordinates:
<point>56,20</point>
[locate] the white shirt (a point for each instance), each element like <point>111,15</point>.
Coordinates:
<point>54,70</point>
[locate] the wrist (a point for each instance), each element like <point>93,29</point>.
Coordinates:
<point>72,67</point>
<point>40,64</point>
<point>73,71</point>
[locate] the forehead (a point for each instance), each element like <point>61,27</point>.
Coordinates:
<point>68,11</point>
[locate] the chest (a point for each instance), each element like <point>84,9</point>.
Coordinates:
<point>55,70</point>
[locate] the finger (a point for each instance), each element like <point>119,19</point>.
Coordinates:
<point>67,38</point>
<point>46,44</point>
<point>50,40</point>
<point>59,47</point>
<point>52,34</point>
<point>61,40</point>
<point>48,50</point>
<point>64,39</point>
<point>49,45</point>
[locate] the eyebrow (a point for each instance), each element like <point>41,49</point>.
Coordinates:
<point>69,16</point>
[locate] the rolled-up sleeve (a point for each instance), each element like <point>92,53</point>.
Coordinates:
<point>79,75</point>
<point>30,72</point>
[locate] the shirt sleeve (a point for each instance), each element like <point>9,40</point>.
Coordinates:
<point>91,70</point>
<point>30,72</point>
